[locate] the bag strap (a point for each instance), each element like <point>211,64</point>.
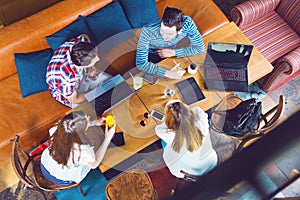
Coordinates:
<point>218,112</point>
<point>212,126</point>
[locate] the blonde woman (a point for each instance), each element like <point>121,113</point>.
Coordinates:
<point>188,145</point>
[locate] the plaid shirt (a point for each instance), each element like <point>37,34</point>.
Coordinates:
<point>62,76</point>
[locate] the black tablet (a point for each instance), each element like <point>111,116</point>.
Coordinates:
<point>190,91</point>
<point>117,140</point>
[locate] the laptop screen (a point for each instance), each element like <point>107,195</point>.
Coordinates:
<point>225,66</point>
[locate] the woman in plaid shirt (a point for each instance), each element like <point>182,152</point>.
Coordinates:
<point>71,71</point>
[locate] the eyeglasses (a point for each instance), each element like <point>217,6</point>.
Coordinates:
<point>143,122</point>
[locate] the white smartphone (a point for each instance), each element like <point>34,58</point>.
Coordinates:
<point>157,115</point>
<point>150,78</point>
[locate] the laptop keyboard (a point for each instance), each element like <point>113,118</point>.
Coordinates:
<point>103,102</point>
<point>225,74</point>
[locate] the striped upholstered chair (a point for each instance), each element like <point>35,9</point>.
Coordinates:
<point>273,26</point>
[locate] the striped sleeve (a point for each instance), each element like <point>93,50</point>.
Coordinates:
<point>142,62</point>
<point>197,44</point>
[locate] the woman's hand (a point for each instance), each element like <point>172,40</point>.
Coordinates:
<point>93,72</point>
<point>101,121</point>
<point>109,132</point>
<point>97,122</point>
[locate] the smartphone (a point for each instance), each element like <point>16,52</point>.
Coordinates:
<point>117,140</point>
<point>150,78</point>
<point>157,115</point>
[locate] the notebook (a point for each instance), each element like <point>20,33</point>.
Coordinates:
<point>225,66</point>
<point>190,91</point>
<point>110,94</point>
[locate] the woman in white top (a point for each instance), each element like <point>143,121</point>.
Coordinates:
<point>188,145</point>
<point>70,157</point>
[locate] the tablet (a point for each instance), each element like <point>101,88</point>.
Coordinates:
<point>117,140</point>
<point>190,91</point>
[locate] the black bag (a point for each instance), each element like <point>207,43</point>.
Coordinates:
<point>241,119</point>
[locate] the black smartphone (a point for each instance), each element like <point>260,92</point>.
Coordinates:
<point>117,140</point>
<point>157,115</point>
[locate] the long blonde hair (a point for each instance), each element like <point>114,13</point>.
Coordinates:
<point>181,120</point>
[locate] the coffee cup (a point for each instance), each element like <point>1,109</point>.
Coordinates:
<point>192,69</point>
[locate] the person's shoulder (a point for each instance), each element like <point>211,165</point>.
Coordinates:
<point>188,18</point>
<point>187,21</point>
<point>63,49</point>
<point>155,23</point>
<point>199,112</point>
<point>152,26</point>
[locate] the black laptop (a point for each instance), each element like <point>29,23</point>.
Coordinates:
<point>110,94</point>
<point>225,66</point>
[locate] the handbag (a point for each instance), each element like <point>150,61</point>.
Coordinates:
<point>241,119</point>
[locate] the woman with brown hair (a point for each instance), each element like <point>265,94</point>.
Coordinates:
<point>70,156</point>
<point>188,145</point>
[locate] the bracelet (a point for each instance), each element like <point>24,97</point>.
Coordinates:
<point>94,123</point>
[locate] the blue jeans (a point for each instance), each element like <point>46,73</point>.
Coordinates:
<point>53,179</point>
<point>163,143</point>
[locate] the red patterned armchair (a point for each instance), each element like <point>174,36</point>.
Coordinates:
<point>273,26</point>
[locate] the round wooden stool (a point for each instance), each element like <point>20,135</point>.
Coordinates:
<point>134,184</point>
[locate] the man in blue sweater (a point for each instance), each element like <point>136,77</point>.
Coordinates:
<point>158,40</point>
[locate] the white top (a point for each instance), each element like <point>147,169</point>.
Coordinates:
<point>72,171</point>
<point>198,162</point>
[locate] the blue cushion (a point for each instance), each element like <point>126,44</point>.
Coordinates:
<point>71,31</point>
<point>107,21</point>
<point>140,13</point>
<point>32,68</point>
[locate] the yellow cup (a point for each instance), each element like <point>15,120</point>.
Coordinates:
<point>109,120</point>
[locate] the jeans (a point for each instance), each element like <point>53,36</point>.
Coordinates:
<point>53,179</point>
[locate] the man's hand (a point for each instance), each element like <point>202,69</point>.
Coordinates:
<point>93,72</point>
<point>175,72</point>
<point>166,53</point>
<point>76,98</point>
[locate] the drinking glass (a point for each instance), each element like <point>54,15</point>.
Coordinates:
<point>137,82</point>
<point>169,92</point>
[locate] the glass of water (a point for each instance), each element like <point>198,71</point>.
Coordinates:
<point>137,82</point>
<point>169,92</point>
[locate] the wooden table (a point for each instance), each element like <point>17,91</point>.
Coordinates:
<point>128,116</point>
<point>130,113</point>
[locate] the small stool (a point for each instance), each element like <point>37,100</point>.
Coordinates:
<point>134,184</point>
